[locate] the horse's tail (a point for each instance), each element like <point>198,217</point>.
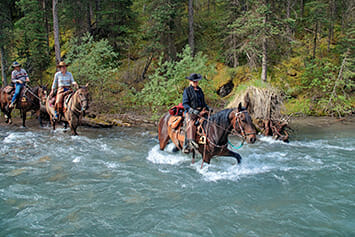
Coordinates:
<point>163,134</point>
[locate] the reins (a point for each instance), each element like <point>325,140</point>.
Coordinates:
<point>80,103</point>
<point>242,134</point>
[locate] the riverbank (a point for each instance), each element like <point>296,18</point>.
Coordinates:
<point>137,120</point>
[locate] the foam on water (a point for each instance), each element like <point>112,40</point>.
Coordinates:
<point>157,156</point>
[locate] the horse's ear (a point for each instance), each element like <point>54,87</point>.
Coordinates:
<point>247,105</point>
<point>240,108</point>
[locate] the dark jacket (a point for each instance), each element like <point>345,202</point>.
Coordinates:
<point>193,99</point>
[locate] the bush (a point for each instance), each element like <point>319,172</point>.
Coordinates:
<point>93,62</point>
<point>166,85</point>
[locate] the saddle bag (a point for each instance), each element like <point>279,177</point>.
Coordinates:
<point>177,110</point>
<point>174,121</point>
<point>8,89</point>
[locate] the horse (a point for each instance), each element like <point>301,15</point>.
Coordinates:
<point>5,101</point>
<point>28,100</point>
<point>75,105</point>
<point>213,139</point>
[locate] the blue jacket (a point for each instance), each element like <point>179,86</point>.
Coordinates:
<point>193,99</point>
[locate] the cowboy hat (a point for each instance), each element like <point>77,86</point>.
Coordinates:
<point>16,64</point>
<point>194,77</point>
<point>62,64</point>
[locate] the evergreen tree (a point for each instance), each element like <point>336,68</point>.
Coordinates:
<point>31,35</point>
<point>162,26</point>
<point>5,35</point>
<point>117,23</point>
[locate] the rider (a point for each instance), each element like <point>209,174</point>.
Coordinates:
<point>19,77</point>
<point>193,101</point>
<point>63,80</point>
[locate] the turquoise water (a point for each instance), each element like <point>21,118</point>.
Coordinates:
<point>116,182</point>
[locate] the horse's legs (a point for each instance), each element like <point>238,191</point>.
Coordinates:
<point>52,121</point>
<point>227,152</point>
<point>73,130</point>
<point>193,156</point>
<point>39,115</point>
<point>23,118</point>
<point>73,124</point>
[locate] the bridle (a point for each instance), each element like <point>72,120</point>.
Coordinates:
<point>237,120</point>
<point>81,102</point>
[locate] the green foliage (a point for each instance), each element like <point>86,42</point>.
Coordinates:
<point>92,62</point>
<point>255,25</point>
<point>298,106</point>
<point>30,32</point>
<point>161,28</point>
<point>166,85</point>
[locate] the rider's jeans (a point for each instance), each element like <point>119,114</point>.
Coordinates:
<point>17,91</point>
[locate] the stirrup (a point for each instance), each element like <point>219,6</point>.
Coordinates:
<point>186,150</point>
<point>194,144</point>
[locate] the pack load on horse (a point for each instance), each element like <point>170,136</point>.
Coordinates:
<point>204,133</point>
<point>65,104</point>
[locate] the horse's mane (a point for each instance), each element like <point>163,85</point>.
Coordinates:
<point>221,117</point>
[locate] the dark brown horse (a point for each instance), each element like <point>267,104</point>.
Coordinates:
<point>75,105</point>
<point>213,137</point>
<point>29,100</point>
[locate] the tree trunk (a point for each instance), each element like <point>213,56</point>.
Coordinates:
<point>235,56</point>
<point>331,22</point>
<point>44,8</point>
<point>98,12</point>
<point>264,59</point>
<point>191,27</point>
<point>288,16</point>
<point>3,66</point>
<point>264,62</point>
<point>315,41</point>
<point>56,32</point>
<point>301,8</point>
<point>89,16</point>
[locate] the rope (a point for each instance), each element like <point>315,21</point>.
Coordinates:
<point>234,147</point>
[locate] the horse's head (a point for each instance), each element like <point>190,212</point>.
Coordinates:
<point>83,97</point>
<point>42,94</point>
<point>243,124</point>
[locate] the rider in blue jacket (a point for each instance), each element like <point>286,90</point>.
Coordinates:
<point>194,102</point>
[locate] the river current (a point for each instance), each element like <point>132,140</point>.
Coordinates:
<point>116,182</point>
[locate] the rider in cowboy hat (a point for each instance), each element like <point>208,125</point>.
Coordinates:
<point>19,77</point>
<point>194,102</point>
<point>63,80</point>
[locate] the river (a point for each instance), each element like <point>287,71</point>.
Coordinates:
<point>116,182</point>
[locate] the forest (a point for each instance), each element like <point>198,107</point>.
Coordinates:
<point>135,54</point>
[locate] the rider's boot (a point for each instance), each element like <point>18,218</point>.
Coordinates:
<point>12,104</point>
<point>56,115</point>
<point>186,148</point>
<point>194,144</point>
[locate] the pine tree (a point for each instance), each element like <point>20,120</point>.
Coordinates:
<point>31,33</point>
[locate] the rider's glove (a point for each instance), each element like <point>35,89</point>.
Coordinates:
<point>209,109</point>
<point>194,111</point>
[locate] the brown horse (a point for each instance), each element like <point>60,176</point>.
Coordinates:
<point>5,100</point>
<point>29,100</point>
<point>213,137</point>
<point>75,105</point>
